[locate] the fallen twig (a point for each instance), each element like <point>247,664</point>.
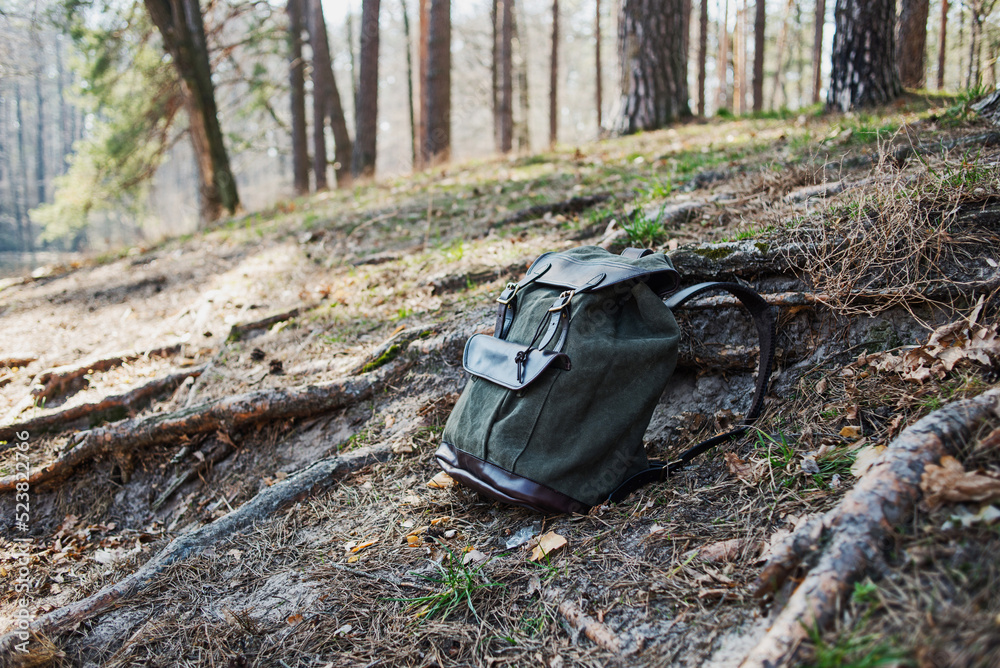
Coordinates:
<point>237,331</point>
<point>578,619</point>
<point>128,401</point>
<point>857,527</point>
<point>228,414</point>
<point>312,480</point>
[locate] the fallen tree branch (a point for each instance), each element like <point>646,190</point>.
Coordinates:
<point>579,620</point>
<point>310,481</point>
<point>226,414</point>
<point>857,527</point>
<point>571,205</point>
<point>129,401</point>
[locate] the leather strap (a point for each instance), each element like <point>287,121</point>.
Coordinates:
<point>763,319</point>
<point>635,253</point>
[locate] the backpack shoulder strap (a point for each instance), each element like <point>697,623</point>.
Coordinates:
<point>763,319</point>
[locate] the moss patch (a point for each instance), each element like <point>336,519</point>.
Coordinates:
<point>715,253</point>
<point>389,355</point>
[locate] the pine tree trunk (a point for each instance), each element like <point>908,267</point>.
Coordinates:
<point>26,233</point>
<point>779,70</point>
<point>437,113</point>
<point>554,77</point>
<point>521,129</point>
<point>39,137</point>
<point>864,68</point>
<point>425,21</point>
<point>327,105</point>
<point>817,61</point>
<point>942,44</point>
<point>297,99</point>
<point>912,42</point>
<point>722,63</point>
<point>180,25</point>
<point>65,139</point>
<point>653,64</point>
<point>702,55</point>
<point>740,60</point>
<point>758,56</point>
<point>506,77</point>
<point>366,106</point>
<point>599,92</point>
<point>409,84</point>
<point>495,71</point>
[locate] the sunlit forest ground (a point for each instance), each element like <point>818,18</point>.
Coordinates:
<point>371,572</point>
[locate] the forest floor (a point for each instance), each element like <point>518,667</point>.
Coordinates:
<point>876,236</point>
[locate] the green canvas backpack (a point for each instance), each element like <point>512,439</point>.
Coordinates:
<point>561,393</point>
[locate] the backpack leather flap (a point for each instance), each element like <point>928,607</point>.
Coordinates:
<point>509,364</point>
<point>585,275</point>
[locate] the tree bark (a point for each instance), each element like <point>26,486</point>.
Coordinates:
<point>343,148</point>
<point>702,55</point>
<point>599,92</point>
<point>180,25</point>
<point>366,106</point>
<point>758,55</point>
<point>554,77</point>
<point>422,76</point>
<point>722,64</point>
<point>409,84</point>
<point>740,60</point>
<point>817,61</point>
<point>40,132</point>
<point>319,96</point>
<point>653,64</point>
<point>942,44</point>
<point>912,42</point>
<point>506,104</point>
<point>297,99</point>
<point>437,112</point>
<point>779,70</point>
<point>864,70</point>
<point>522,133</point>
<point>24,222</point>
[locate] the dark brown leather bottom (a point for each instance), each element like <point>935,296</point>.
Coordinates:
<point>502,485</point>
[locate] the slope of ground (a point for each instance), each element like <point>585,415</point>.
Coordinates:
<point>867,233</point>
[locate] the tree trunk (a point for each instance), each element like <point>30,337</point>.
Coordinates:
<point>818,50</point>
<point>554,76</point>
<point>702,55</point>
<point>65,138</point>
<point>409,84</point>
<point>912,42</point>
<point>297,98</point>
<point>422,77</point>
<point>180,25</point>
<point>653,64</point>
<point>437,112</point>
<point>366,106</point>
<point>740,60</point>
<point>521,129</point>
<point>864,70</point>
<point>599,93</point>
<point>758,55</point>
<point>326,104</point>
<point>942,43</point>
<point>495,71</point>
<point>40,132</point>
<point>506,105</point>
<point>779,70</point>
<point>24,225</point>
<point>722,65</point>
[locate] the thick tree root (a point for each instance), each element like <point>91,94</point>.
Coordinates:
<point>54,381</point>
<point>310,481</point>
<point>572,205</point>
<point>390,349</point>
<point>230,413</point>
<point>239,330</point>
<point>119,403</point>
<point>858,527</point>
<point>213,455</point>
<point>17,361</point>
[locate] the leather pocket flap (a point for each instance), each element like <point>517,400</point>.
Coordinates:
<point>499,361</point>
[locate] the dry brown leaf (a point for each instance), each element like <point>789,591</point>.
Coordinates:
<point>369,543</point>
<point>294,619</point>
<point>547,544</point>
<point>851,431</point>
<point>865,458</point>
<point>738,467</point>
<point>949,482</point>
<point>991,440</point>
<point>441,481</point>
<point>726,550</point>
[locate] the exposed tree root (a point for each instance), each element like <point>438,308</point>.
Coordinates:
<point>571,205</point>
<point>17,361</point>
<point>579,620</point>
<point>116,404</point>
<point>216,453</point>
<point>312,480</point>
<point>858,527</point>
<point>390,349</point>
<point>125,438</point>
<point>54,381</point>
<point>237,331</point>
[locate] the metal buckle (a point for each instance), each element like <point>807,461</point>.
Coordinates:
<point>563,301</point>
<point>508,294</point>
